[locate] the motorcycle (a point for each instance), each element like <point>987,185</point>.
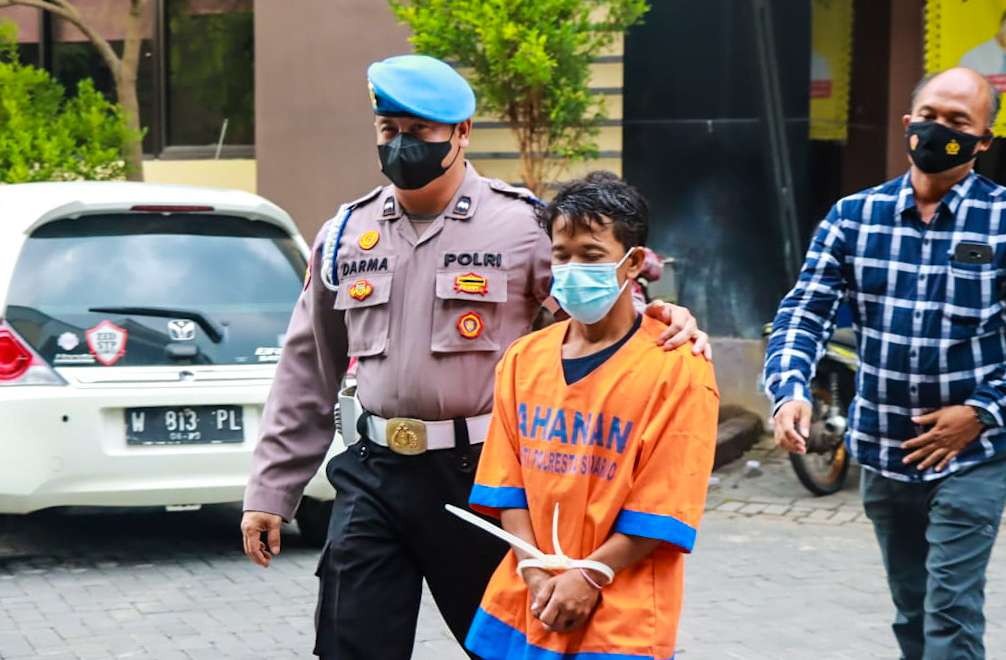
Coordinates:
<point>824,469</point>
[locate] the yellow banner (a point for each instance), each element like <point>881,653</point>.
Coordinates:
<point>969,33</point>
<point>830,69</point>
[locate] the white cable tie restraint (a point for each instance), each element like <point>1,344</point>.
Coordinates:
<point>555,562</point>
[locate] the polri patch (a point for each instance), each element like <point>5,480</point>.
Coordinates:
<point>470,325</point>
<point>107,342</point>
<point>477,259</point>
<point>471,283</point>
<point>369,239</point>
<point>361,290</point>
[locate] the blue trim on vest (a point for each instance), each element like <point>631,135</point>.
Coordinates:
<point>656,526</point>
<point>498,497</point>
<point>492,639</point>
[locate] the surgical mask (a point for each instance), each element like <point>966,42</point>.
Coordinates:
<point>587,292</point>
<point>935,148</point>
<point>411,163</point>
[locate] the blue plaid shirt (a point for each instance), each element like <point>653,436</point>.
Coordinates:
<point>930,329</point>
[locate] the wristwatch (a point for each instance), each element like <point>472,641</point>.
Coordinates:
<point>985,418</point>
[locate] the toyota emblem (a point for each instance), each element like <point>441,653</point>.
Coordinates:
<point>181,330</point>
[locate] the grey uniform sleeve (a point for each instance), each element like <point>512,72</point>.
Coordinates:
<point>298,422</point>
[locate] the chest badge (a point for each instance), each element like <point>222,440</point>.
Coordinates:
<point>470,325</point>
<point>369,239</point>
<point>361,290</point>
<point>471,283</point>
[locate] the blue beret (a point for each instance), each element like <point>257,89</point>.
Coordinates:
<point>420,86</point>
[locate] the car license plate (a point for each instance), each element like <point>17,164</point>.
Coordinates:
<point>184,425</point>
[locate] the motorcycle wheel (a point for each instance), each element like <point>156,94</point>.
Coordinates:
<point>823,473</point>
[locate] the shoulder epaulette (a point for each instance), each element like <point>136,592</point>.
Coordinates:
<point>362,201</point>
<point>516,192</point>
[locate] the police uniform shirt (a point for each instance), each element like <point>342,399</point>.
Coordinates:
<point>428,317</point>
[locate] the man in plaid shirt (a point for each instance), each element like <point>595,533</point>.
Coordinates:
<point>922,262</point>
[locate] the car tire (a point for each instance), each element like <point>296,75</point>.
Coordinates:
<point>312,520</point>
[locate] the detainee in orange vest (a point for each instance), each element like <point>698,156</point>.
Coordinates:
<point>591,417</point>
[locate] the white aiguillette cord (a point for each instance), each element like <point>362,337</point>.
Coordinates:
<point>556,562</point>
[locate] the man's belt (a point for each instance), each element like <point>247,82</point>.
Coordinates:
<point>407,436</point>
<point>403,435</point>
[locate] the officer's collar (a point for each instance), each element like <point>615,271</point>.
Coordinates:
<point>461,207</point>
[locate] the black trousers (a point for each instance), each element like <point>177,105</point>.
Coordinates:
<point>389,530</point>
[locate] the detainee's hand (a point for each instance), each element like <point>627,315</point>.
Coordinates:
<point>535,579</point>
<point>253,525</point>
<point>792,426</point>
<point>951,430</point>
<point>565,602</point>
<point>681,328</point>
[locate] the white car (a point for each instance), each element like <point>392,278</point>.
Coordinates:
<point>140,326</point>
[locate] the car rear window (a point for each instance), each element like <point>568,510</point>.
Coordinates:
<point>175,289</point>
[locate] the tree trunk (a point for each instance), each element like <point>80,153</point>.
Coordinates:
<point>125,88</point>
<point>132,149</point>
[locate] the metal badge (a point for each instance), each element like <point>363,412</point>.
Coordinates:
<point>464,203</point>
<point>181,330</point>
<point>369,239</point>
<point>406,436</point>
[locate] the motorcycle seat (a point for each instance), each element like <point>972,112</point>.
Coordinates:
<point>845,337</point>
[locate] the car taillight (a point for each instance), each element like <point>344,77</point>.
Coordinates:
<point>171,208</point>
<point>20,365</point>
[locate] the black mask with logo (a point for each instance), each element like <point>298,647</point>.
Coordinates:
<point>935,148</point>
<point>411,163</point>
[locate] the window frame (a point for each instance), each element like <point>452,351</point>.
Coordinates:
<point>158,123</point>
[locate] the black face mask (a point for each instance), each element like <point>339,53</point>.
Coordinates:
<point>411,163</point>
<point>935,148</point>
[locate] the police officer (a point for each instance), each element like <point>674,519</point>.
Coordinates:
<point>426,282</point>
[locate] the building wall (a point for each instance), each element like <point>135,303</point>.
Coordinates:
<point>905,67</point>
<point>314,135</point>
<point>234,173</point>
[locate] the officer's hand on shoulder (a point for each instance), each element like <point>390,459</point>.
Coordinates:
<point>681,328</point>
<point>253,525</point>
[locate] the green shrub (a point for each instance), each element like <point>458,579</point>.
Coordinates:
<point>529,62</point>
<point>46,135</point>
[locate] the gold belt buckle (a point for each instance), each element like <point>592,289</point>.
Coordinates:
<point>406,436</point>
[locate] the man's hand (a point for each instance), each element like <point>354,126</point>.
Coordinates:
<point>951,429</point>
<point>536,579</point>
<point>253,524</point>
<point>792,426</point>
<point>568,602</point>
<point>682,328</point>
